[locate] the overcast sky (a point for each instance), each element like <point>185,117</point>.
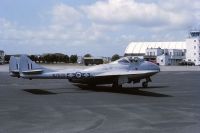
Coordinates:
<point>102,28</point>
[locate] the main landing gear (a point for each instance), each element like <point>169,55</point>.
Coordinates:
<point>145,83</point>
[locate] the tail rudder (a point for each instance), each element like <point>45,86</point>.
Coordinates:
<point>14,66</point>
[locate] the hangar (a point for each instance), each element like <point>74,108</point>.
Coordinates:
<point>171,51</point>
<point>139,48</point>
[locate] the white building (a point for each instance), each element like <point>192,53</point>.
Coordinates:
<point>171,57</point>
<point>193,47</point>
<point>154,51</point>
<point>165,56</point>
<point>190,47</point>
<point>2,56</point>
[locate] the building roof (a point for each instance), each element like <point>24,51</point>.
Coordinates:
<point>140,47</point>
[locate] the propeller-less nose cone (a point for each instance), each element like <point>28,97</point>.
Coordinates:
<point>154,66</point>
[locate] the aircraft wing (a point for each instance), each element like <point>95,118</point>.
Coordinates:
<point>126,73</point>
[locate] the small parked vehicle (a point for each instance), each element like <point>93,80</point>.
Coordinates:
<point>186,63</point>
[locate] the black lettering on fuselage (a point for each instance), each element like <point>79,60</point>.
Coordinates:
<point>70,75</point>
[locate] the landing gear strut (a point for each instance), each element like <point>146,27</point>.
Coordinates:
<point>116,85</point>
<point>145,83</point>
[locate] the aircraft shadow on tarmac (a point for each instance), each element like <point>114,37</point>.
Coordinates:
<point>125,90</point>
<point>86,89</point>
<point>39,91</point>
<point>51,91</point>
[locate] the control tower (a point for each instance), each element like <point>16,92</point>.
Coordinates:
<point>193,47</point>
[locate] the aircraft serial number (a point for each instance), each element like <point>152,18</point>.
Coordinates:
<point>71,75</point>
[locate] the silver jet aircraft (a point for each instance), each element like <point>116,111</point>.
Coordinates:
<point>124,70</point>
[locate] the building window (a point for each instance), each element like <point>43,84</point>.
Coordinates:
<point>194,53</point>
<point>194,47</point>
<point>194,40</point>
<point>161,60</point>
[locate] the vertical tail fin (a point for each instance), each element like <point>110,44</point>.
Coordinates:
<point>27,66</point>
<point>20,67</point>
<point>14,66</point>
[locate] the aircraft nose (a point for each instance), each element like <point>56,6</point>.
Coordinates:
<point>157,67</point>
<point>153,66</point>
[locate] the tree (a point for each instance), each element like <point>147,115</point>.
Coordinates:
<point>87,55</point>
<point>73,58</point>
<point>66,59</point>
<point>115,57</point>
<point>54,58</point>
<point>7,58</point>
<point>33,57</point>
<point>47,58</point>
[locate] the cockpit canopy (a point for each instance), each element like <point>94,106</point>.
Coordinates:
<point>130,59</point>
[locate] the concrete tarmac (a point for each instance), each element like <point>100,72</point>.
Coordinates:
<point>170,105</point>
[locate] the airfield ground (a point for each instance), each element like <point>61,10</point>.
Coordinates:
<point>170,105</point>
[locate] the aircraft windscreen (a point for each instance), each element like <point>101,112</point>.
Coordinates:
<point>127,60</point>
<point>135,59</point>
<point>124,61</point>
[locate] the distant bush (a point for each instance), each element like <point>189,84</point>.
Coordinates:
<point>115,57</point>
<point>87,55</point>
<point>73,58</point>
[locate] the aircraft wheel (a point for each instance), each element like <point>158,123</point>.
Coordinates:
<point>144,84</point>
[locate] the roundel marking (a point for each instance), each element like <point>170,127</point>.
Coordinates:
<point>78,75</point>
